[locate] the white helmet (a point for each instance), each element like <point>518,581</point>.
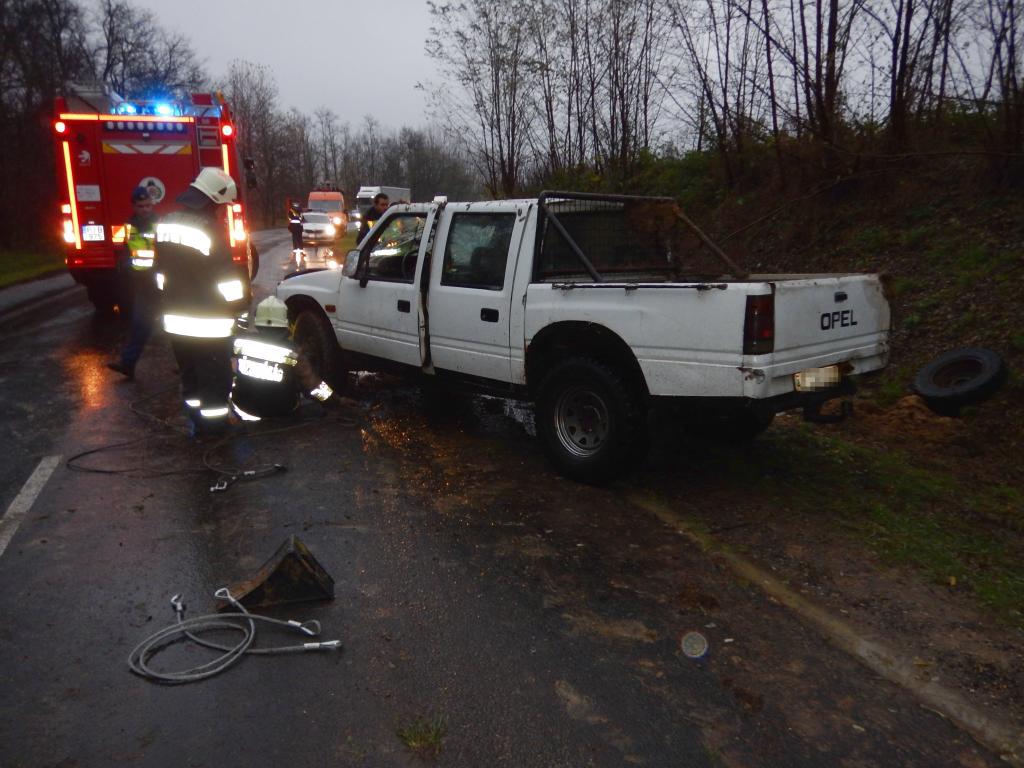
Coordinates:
<point>271,313</point>
<point>216,185</point>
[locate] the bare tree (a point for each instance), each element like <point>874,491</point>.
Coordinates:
<point>251,92</point>
<point>136,57</point>
<point>487,47</point>
<point>43,46</point>
<point>327,138</point>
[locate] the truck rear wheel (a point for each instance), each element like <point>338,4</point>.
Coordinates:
<point>318,351</point>
<point>593,426</point>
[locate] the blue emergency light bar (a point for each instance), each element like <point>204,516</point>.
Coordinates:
<point>161,109</point>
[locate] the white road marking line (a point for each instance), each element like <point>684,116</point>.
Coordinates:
<point>25,499</point>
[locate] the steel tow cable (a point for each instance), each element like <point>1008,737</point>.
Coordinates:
<point>241,621</point>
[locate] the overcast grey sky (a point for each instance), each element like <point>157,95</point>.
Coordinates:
<point>356,58</point>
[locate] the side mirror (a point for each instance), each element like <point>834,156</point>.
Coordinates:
<point>351,263</point>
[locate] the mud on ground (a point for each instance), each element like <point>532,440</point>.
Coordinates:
<point>632,584</point>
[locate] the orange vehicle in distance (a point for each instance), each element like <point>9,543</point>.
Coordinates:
<point>332,202</point>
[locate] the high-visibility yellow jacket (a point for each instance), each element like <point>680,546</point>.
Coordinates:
<point>140,245</point>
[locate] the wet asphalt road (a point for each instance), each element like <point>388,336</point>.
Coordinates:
<point>540,619</point>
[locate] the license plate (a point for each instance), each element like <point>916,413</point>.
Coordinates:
<point>816,378</point>
<point>257,369</point>
<point>92,232</point>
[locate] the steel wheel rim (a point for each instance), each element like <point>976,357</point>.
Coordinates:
<point>582,421</point>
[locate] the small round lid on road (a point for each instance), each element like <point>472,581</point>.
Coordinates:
<point>693,645</point>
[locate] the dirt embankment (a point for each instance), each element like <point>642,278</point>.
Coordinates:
<point>951,246</point>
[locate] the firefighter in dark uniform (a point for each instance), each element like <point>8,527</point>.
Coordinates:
<point>372,214</point>
<point>203,292</point>
<point>295,227</point>
<point>140,233</point>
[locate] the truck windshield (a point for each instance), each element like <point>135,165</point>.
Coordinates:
<point>325,205</point>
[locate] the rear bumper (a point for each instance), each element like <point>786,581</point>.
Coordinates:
<point>92,257</point>
<point>760,377</point>
<point>773,378</point>
<point>809,401</point>
<point>94,275</point>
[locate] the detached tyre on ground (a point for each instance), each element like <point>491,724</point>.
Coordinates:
<point>958,378</point>
<point>318,351</point>
<point>590,421</point>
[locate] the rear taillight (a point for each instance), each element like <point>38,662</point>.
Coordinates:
<point>759,325</point>
<point>236,229</point>
<point>68,226</point>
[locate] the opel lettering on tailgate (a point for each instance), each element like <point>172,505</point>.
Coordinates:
<point>837,319</point>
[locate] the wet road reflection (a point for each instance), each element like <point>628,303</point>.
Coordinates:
<point>88,375</point>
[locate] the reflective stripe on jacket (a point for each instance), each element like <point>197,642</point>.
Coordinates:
<point>202,289</point>
<point>140,247</point>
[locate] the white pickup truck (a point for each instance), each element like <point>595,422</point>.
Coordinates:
<point>594,307</point>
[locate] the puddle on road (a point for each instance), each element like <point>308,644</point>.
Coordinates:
<point>89,378</point>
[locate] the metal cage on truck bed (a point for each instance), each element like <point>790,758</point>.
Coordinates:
<point>599,238</point>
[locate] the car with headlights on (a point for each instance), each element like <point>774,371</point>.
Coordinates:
<point>318,229</point>
<point>329,200</point>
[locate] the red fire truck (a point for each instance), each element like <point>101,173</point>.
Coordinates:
<point>107,147</point>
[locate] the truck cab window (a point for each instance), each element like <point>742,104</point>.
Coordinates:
<point>477,250</point>
<point>393,251</point>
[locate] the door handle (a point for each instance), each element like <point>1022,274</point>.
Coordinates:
<point>403,305</point>
<point>489,315</point>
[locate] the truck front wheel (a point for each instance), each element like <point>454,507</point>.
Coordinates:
<point>319,353</point>
<point>593,426</point>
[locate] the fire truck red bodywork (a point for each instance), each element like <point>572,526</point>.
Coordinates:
<point>102,155</point>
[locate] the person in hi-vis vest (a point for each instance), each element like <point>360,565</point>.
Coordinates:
<point>140,233</point>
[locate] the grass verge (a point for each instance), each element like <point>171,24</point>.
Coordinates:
<point>18,266</point>
<point>962,535</point>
